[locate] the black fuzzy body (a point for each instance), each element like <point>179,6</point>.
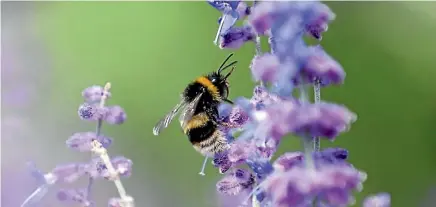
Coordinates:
<point>207,106</point>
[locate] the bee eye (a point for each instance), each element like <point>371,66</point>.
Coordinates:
<point>213,80</point>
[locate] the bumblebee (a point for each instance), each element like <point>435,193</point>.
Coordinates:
<point>199,111</point>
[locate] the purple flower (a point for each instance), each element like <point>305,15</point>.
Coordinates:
<point>97,169</point>
<point>82,141</point>
<point>94,93</point>
<point>262,98</point>
<point>91,112</point>
<point>265,67</point>
<point>289,160</point>
<point>75,196</point>
<point>320,120</point>
<point>379,200</point>
<point>222,162</point>
<point>115,115</point>
<point>318,65</point>
<point>274,121</point>
<point>235,182</point>
<point>318,23</point>
<point>333,184</point>
<point>235,37</point>
<point>262,16</point>
<point>122,165</point>
<point>69,173</point>
<point>241,150</point>
<point>238,117</point>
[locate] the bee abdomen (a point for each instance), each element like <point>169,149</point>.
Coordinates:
<point>200,133</point>
<point>216,143</point>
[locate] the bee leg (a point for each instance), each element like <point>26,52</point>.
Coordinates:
<point>228,101</point>
<point>203,167</point>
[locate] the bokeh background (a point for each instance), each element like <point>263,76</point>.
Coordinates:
<point>151,50</point>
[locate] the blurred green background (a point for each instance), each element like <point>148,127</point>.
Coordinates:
<point>151,50</point>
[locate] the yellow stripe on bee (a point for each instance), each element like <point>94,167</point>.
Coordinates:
<point>196,121</point>
<point>209,85</point>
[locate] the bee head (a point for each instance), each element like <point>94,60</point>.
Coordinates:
<point>220,80</point>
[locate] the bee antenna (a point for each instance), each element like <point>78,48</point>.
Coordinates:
<point>227,66</point>
<point>224,62</point>
<point>231,71</point>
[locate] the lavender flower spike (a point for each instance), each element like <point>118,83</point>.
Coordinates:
<point>320,177</point>
<point>98,149</point>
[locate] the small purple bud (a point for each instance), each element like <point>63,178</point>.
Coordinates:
<point>262,16</point>
<point>265,67</point>
<point>87,111</point>
<point>288,160</point>
<point>318,23</point>
<point>222,162</point>
<point>235,37</point>
<point>69,173</point>
<point>243,10</point>
<point>379,200</point>
<point>82,141</point>
<point>93,94</point>
<point>115,115</point>
<point>97,169</point>
<point>236,181</point>
<point>36,173</point>
<point>319,65</point>
<point>122,165</point>
<point>77,196</point>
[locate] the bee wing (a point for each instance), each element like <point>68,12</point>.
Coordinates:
<point>189,110</point>
<point>164,122</point>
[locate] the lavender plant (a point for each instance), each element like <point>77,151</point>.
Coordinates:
<point>100,166</point>
<point>315,176</point>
